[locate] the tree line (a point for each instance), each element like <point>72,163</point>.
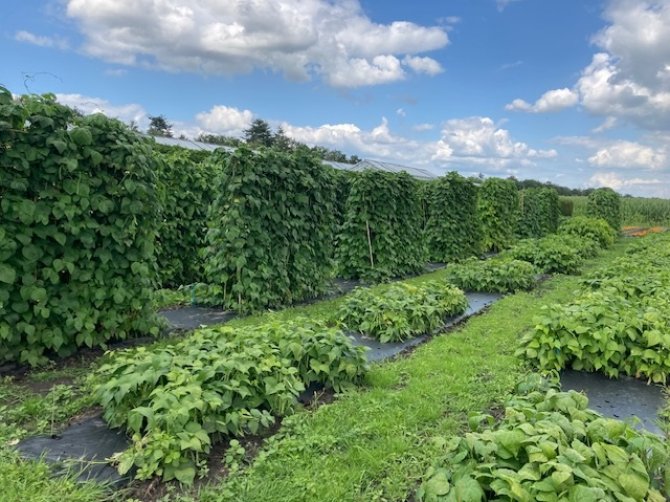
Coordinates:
<point>258,134</point>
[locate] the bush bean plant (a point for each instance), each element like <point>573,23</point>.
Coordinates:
<point>549,446</point>
<point>496,275</point>
<point>399,311</point>
<point>595,229</point>
<point>218,383</point>
<point>618,324</point>
<point>551,254</point>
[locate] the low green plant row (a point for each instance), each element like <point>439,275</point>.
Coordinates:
<point>552,254</point>
<point>618,324</point>
<point>496,275</point>
<point>578,238</point>
<point>218,383</point>
<point>549,447</point>
<point>400,310</point>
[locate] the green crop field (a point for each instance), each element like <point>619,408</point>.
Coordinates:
<point>296,267</point>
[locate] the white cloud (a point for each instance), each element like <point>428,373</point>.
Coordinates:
<point>628,80</point>
<point>423,65</point>
<point>607,124</point>
<point>88,105</point>
<point>480,138</point>
<point>509,66</point>
<point>551,101</point>
<point>358,72</point>
<point>224,120</point>
<point>298,38</point>
<point>116,72</point>
<point>401,112</point>
<point>377,142</point>
<point>423,127</point>
<point>606,90</point>
<point>628,154</point>
<point>502,4</point>
<point>40,40</point>
<point>475,142</point>
<point>617,182</point>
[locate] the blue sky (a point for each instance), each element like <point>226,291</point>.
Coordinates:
<point>574,92</point>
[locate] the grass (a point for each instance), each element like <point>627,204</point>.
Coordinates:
<point>375,443</point>
<point>34,406</point>
<point>370,444</point>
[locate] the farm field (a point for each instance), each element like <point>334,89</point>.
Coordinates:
<point>372,443</point>
<point>635,211</point>
<point>327,364</point>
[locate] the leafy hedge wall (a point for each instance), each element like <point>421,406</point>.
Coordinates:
<point>453,229</point>
<point>270,229</point>
<point>498,211</point>
<point>382,235</point>
<point>78,215</point>
<point>605,203</point>
<point>539,211</point>
<point>186,189</point>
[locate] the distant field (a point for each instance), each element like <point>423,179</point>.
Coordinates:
<point>634,210</point>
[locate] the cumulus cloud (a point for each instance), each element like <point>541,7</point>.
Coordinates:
<point>87,105</point>
<point>551,101</point>
<point>423,65</point>
<point>224,120</point>
<point>629,154</point>
<point>606,90</point>
<point>474,141</point>
<point>477,138</point>
<point>40,40</point>
<point>628,79</point>
<point>298,38</point>
<point>377,142</point>
<point>617,182</point>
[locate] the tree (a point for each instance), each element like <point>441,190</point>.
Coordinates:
<point>354,159</point>
<point>334,155</point>
<point>259,133</point>
<point>282,142</point>
<point>159,126</point>
<point>218,139</point>
<point>133,126</point>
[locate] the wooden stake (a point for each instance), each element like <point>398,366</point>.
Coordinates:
<point>372,260</point>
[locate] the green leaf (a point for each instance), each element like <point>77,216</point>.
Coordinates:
<point>81,136</point>
<point>634,485</point>
<point>438,485</point>
<point>468,490</point>
<point>185,474</point>
<point>7,274</point>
